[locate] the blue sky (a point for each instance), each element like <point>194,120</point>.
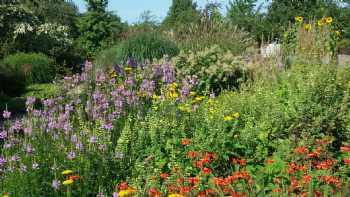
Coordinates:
<point>130,10</point>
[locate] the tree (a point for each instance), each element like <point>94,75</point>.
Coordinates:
<point>246,15</point>
<point>181,12</point>
<point>98,27</point>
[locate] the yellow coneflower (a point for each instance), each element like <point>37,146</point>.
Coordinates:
<point>320,22</point>
<point>307,27</point>
<point>199,98</point>
<point>67,172</point>
<point>329,20</point>
<point>236,115</point>
<point>228,118</point>
<point>68,182</point>
<point>299,19</point>
<point>156,97</point>
<point>337,33</point>
<point>127,69</point>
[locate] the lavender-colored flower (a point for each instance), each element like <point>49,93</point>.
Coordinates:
<point>147,87</point>
<point>108,126</point>
<point>30,101</point>
<point>100,78</point>
<point>2,161</point>
<point>168,73</point>
<point>8,145</point>
<point>79,146</point>
<point>28,130</point>
<point>118,69</point>
<point>115,194</point>
<point>37,113</point>
<point>102,147</point>
<point>74,138</point>
<point>87,66</point>
<point>93,140</point>
<point>35,166</point>
<point>6,114</point>
<point>48,102</point>
<point>130,81</point>
<point>71,155</point>
<point>16,126</point>
<point>56,184</point>
<point>3,135</point>
<point>132,62</point>
<point>185,90</point>
<point>29,149</point>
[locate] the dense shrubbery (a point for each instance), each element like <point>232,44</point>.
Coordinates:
<point>215,68</point>
<point>34,67</point>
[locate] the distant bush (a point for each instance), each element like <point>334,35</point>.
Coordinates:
<point>147,46</point>
<point>108,57</point>
<point>33,67</point>
<point>12,81</point>
<point>215,68</point>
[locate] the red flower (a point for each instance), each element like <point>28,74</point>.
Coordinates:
<point>164,176</point>
<point>173,189</point>
<point>304,194</point>
<point>307,179</point>
<point>302,150</point>
<point>193,180</point>
<point>345,149</point>
<point>324,165</point>
<point>227,190</point>
<point>192,154</point>
<point>347,161</point>
<point>276,190</point>
<point>241,162</point>
<point>220,181</point>
<point>330,180</point>
<point>179,180</point>
<point>269,161</point>
<point>242,175</point>
<point>185,141</point>
<point>74,177</point>
<point>315,153</point>
<point>206,170</point>
<point>293,167</point>
<point>185,190</point>
<point>202,194</point>
<point>154,192</point>
<point>123,186</point>
<point>238,195</point>
<point>210,191</point>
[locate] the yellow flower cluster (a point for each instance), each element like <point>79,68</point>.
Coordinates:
<point>126,192</point>
<point>176,195</point>
<point>173,90</point>
<point>299,19</point>
<point>325,21</point>
<point>231,116</point>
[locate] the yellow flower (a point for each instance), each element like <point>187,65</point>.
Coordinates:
<point>192,93</point>
<point>199,98</point>
<point>185,109</point>
<point>173,94</point>
<point>228,118</point>
<point>329,20</point>
<point>125,193</point>
<point>127,69</point>
<point>68,182</point>
<point>299,19</point>
<point>176,195</point>
<point>236,115</point>
<point>113,74</point>
<point>320,22</point>
<point>5,195</point>
<point>156,97</point>
<point>307,27</point>
<point>173,86</point>
<point>67,172</point>
<point>337,33</point>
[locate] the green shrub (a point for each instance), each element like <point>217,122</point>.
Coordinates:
<point>147,46</point>
<point>215,68</point>
<point>108,57</point>
<point>12,81</point>
<point>35,67</point>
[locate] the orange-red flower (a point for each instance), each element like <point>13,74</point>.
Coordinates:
<point>277,190</point>
<point>123,186</point>
<point>269,161</point>
<point>345,149</point>
<point>301,150</point>
<point>324,165</point>
<point>241,162</point>
<point>347,161</point>
<point>185,190</point>
<point>220,182</point>
<point>210,191</point>
<point>164,176</point>
<point>315,153</point>
<point>74,177</point>
<point>192,154</point>
<point>293,167</point>
<point>185,141</point>
<point>154,192</point>
<point>193,180</point>
<point>206,170</point>
<point>307,179</point>
<point>236,194</point>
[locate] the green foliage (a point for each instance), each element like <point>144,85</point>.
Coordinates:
<point>97,5</point>
<point>146,46</point>
<point>107,58</point>
<point>99,29</point>
<point>181,12</point>
<point>215,68</point>
<point>34,67</point>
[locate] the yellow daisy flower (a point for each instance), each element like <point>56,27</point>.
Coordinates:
<point>307,27</point>
<point>299,19</point>
<point>68,182</point>
<point>329,20</point>
<point>67,172</point>
<point>127,192</point>
<point>228,118</point>
<point>176,195</point>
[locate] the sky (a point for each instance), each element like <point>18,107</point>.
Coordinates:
<point>130,10</point>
